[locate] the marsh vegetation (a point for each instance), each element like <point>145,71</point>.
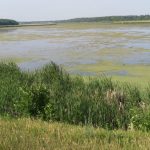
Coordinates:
<point>52,94</point>
<point>37,107</point>
<point>102,111</point>
<point>121,51</point>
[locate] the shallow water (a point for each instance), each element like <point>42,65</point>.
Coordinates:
<point>71,45</point>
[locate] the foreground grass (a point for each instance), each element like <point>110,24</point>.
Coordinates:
<point>22,134</point>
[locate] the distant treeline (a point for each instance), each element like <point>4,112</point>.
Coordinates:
<point>109,19</point>
<point>8,22</point>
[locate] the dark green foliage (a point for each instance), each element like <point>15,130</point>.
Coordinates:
<point>13,98</point>
<point>141,119</point>
<point>148,91</point>
<point>51,94</point>
<point>40,98</point>
<point>8,22</point>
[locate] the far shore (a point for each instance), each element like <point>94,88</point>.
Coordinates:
<point>27,25</point>
<point>51,24</point>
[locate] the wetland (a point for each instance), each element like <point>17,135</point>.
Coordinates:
<point>118,50</point>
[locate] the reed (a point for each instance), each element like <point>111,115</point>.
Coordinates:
<point>50,93</point>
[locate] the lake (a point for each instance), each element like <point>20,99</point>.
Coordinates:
<point>82,48</point>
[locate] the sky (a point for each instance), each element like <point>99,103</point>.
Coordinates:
<point>42,10</point>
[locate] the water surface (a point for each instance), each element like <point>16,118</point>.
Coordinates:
<point>72,45</point>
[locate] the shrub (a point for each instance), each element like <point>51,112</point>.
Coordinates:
<point>52,94</point>
<point>141,120</point>
<point>13,98</point>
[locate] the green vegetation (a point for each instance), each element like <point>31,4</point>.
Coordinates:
<point>110,19</point>
<point>136,73</point>
<point>32,102</point>
<point>4,22</point>
<point>37,107</point>
<point>23,134</point>
<point>51,94</point>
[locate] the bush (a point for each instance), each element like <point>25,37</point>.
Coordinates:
<point>13,98</point>
<point>51,94</point>
<point>141,120</point>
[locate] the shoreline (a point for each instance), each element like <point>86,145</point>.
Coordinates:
<point>52,24</point>
<point>27,25</point>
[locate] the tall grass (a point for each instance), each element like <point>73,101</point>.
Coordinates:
<point>51,93</point>
<point>27,134</point>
